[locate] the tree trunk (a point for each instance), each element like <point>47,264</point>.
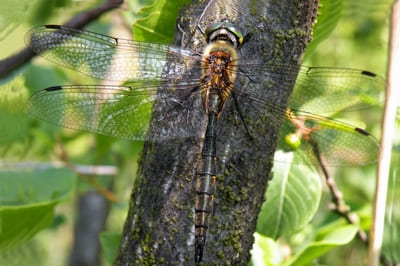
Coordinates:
<point>159,229</point>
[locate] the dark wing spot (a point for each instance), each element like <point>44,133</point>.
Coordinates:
<point>51,26</point>
<point>362,131</point>
<point>367,73</point>
<point>55,88</point>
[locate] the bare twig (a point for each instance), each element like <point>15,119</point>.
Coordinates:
<point>13,62</point>
<point>339,205</point>
<point>61,153</point>
<point>388,126</point>
<point>78,168</point>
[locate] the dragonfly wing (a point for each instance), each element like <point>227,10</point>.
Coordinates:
<point>322,90</point>
<point>339,144</point>
<point>109,58</point>
<point>325,90</point>
<point>331,142</point>
<point>121,112</point>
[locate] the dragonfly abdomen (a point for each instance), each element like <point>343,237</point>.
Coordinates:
<point>205,181</point>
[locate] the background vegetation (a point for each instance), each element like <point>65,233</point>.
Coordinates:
<point>39,193</point>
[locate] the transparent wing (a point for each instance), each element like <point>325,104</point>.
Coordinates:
<point>317,90</point>
<point>334,142</point>
<point>338,143</point>
<point>124,112</point>
<point>121,112</point>
<point>325,90</point>
<point>322,90</point>
<point>108,58</point>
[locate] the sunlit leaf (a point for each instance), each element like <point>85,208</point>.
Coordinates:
<point>13,120</point>
<point>336,237</point>
<point>265,251</point>
<point>292,198</point>
<point>391,239</point>
<point>109,243</point>
<point>13,13</point>
<point>329,14</point>
<point>158,21</point>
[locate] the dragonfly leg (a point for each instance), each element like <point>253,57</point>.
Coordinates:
<point>241,115</point>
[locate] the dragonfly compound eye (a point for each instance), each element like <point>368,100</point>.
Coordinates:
<point>224,31</point>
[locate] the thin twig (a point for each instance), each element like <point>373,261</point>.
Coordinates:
<point>62,154</point>
<point>78,168</point>
<point>388,126</point>
<point>15,61</point>
<point>339,206</point>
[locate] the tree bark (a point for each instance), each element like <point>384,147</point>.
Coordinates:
<point>159,229</point>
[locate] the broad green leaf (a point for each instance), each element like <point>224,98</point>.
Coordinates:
<point>336,237</point>
<point>391,237</point>
<point>292,198</point>
<point>265,251</point>
<point>13,120</point>
<point>109,243</point>
<point>391,240</point>
<point>30,253</point>
<point>19,224</point>
<point>40,77</point>
<point>27,200</point>
<point>158,21</point>
<point>329,14</point>
<point>44,9</point>
<point>13,13</point>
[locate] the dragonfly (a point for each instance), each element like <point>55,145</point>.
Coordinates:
<point>184,80</point>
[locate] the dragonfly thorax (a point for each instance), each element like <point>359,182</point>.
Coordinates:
<point>218,62</point>
<point>219,66</point>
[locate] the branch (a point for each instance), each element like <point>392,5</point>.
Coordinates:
<point>338,204</point>
<point>88,176</point>
<point>79,21</point>
<point>388,129</point>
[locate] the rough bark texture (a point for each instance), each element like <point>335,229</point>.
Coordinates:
<point>159,229</point>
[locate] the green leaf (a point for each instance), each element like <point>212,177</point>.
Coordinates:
<point>13,120</point>
<point>16,13</point>
<point>391,240</point>
<point>109,243</point>
<point>39,77</point>
<point>292,198</point>
<point>158,21</point>
<point>337,236</point>
<point>27,200</point>
<point>44,9</point>
<point>265,251</point>
<point>329,14</point>
<point>20,224</point>
<point>391,237</point>
<point>13,13</point>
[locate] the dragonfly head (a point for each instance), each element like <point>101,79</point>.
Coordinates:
<point>224,31</point>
